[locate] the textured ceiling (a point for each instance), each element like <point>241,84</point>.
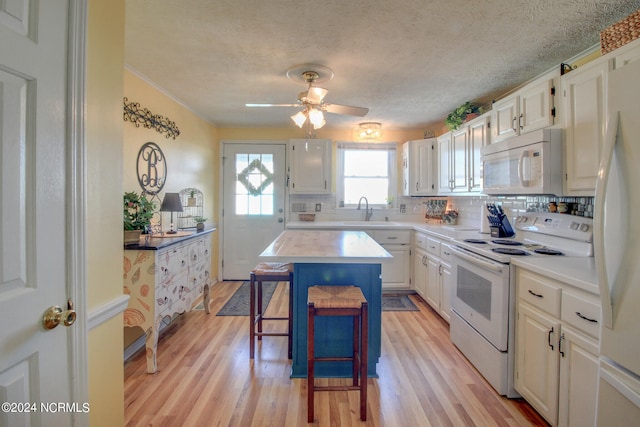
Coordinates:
<point>409,61</point>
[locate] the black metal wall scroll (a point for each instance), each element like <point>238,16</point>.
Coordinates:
<point>142,116</point>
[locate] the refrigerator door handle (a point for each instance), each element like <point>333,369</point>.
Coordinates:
<point>598,218</point>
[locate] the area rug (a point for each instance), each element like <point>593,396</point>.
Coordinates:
<point>238,304</point>
<point>392,302</point>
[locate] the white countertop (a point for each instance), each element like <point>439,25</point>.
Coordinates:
<point>442,231</point>
<point>575,271</point>
<point>325,246</point>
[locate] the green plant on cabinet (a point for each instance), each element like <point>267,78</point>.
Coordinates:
<point>455,119</point>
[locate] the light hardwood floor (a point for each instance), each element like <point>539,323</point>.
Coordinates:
<point>205,378</point>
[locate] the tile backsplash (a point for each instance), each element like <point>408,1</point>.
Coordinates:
<point>415,208</point>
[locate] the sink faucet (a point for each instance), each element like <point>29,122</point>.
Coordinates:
<point>367,214</point>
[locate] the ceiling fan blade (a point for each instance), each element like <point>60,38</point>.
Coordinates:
<point>272,105</point>
<point>315,95</point>
<point>346,109</point>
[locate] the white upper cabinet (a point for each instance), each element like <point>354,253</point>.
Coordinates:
<point>444,163</point>
<point>526,110</point>
<point>626,54</point>
<point>585,110</point>
<point>504,116</point>
<point>536,106</point>
<point>309,169</point>
<point>478,138</point>
<point>459,160</point>
<point>460,166</point>
<point>419,167</point>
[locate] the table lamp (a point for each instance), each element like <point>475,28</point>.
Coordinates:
<point>171,203</point>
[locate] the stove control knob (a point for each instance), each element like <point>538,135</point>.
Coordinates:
<point>584,227</point>
<point>574,225</point>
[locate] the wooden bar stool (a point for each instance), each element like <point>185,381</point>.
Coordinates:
<point>269,272</point>
<point>339,301</point>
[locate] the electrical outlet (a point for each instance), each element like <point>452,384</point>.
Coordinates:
<point>318,207</point>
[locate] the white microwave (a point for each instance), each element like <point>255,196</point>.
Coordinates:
<point>525,164</point>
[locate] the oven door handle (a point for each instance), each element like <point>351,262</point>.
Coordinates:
<point>478,260</point>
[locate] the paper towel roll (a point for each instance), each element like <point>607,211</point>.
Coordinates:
<point>484,222</point>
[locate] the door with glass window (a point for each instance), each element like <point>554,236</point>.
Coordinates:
<point>254,204</point>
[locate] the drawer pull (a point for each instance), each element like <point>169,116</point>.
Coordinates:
<point>582,316</point>
<point>536,295</point>
<point>392,237</point>
<point>560,345</point>
<point>549,338</point>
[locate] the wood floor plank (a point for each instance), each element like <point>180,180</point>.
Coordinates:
<point>205,377</point>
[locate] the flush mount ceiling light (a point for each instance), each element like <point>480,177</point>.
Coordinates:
<point>369,131</point>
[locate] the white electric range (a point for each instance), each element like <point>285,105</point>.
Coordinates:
<point>483,282</point>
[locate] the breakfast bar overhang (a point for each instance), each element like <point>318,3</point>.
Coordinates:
<point>332,258</point>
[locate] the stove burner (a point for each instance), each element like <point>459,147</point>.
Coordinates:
<point>506,242</point>
<point>548,251</point>
<point>478,241</point>
<point>509,251</point>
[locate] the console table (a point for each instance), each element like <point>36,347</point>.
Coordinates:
<point>165,276</point>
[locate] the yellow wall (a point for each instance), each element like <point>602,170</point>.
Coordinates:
<point>292,132</point>
<point>192,158</point>
<point>343,135</point>
<point>105,65</point>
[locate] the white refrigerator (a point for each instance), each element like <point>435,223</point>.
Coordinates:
<point>617,252</point>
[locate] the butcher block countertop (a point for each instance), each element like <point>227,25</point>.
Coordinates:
<point>325,246</point>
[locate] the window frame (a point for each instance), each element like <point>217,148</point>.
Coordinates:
<point>390,147</point>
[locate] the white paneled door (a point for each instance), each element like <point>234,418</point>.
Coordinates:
<point>254,204</point>
<point>35,266</point>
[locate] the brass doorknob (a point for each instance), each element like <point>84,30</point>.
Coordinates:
<point>56,315</point>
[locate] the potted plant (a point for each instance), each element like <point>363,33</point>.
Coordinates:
<point>137,213</point>
<point>191,201</point>
<point>461,114</point>
<point>199,222</point>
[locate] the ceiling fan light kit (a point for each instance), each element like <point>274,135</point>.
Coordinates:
<point>369,131</point>
<point>315,116</point>
<point>312,100</point>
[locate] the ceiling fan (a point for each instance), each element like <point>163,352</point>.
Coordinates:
<point>312,100</point>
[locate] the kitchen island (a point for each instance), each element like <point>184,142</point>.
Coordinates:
<point>331,257</point>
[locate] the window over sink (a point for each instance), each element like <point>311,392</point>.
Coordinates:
<point>366,170</point>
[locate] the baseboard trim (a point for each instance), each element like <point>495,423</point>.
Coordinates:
<point>107,311</point>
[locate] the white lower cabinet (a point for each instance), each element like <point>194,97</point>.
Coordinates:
<point>445,281</point>
<point>578,379</point>
<point>557,349</point>
<point>433,281</point>
<point>419,276</point>
<point>397,273</point>
<point>432,273</point>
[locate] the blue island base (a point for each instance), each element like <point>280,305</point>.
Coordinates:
<point>334,335</point>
